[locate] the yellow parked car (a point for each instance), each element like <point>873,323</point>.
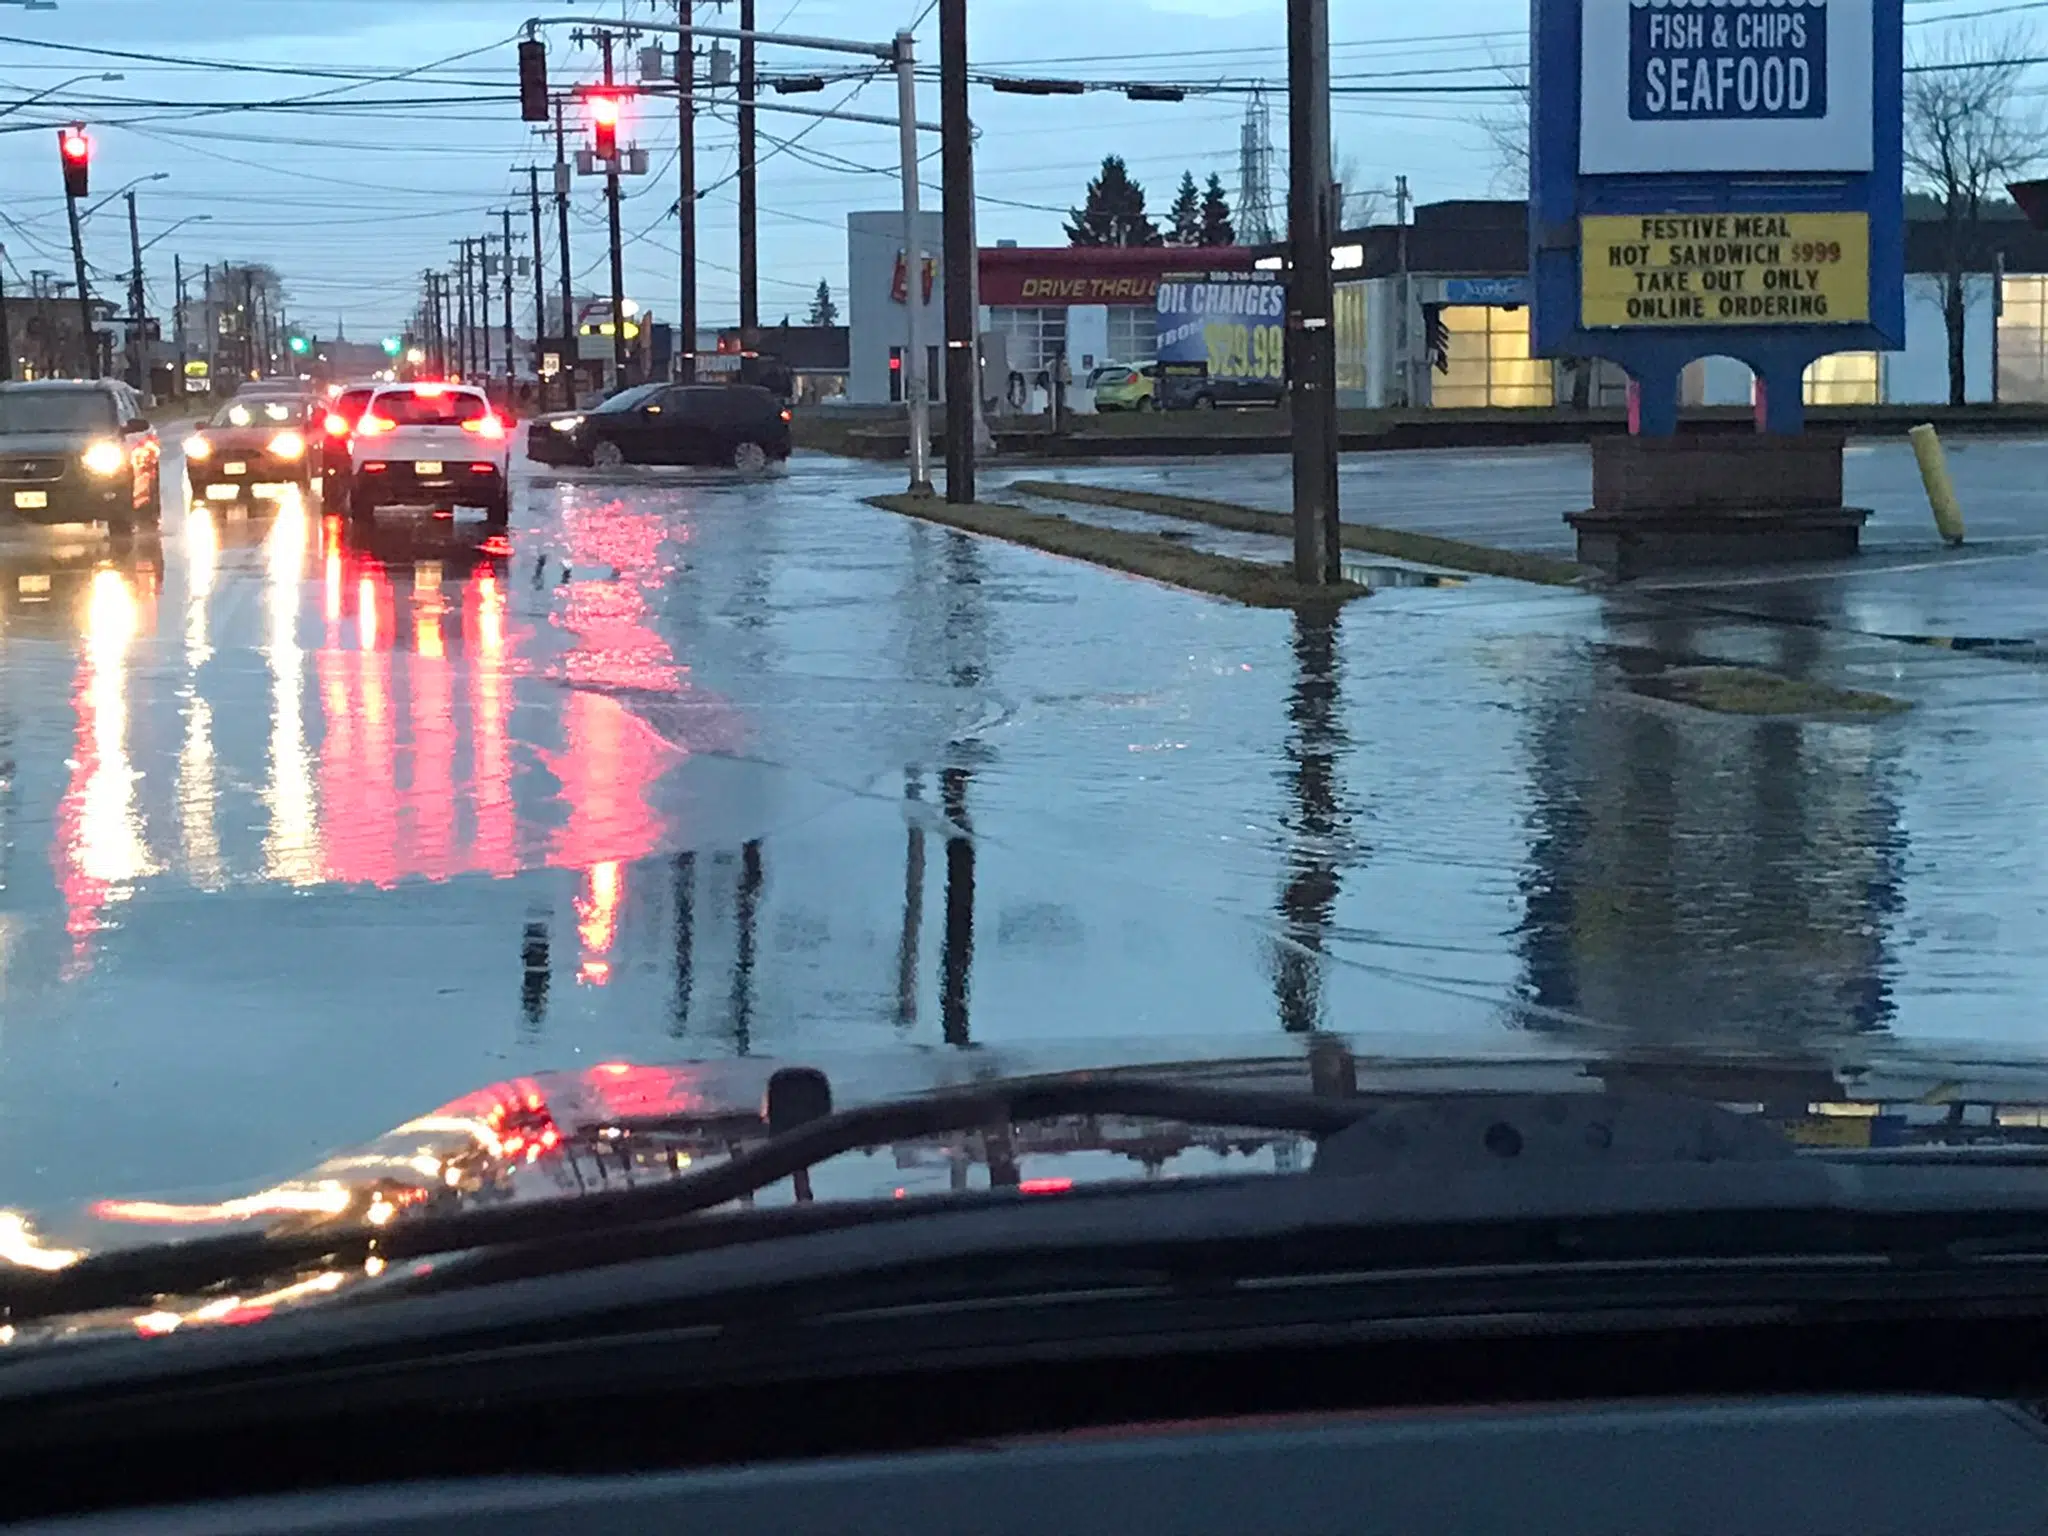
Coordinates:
<point>1120,387</point>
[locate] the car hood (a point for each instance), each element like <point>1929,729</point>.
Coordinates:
<point>555,1136</point>
<point>27,444</point>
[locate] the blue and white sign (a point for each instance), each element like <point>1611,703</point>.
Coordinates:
<point>1725,86</point>
<point>1500,292</point>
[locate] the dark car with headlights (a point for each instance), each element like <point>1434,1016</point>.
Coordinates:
<point>78,451</point>
<point>740,426</point>
<point>254,446</point>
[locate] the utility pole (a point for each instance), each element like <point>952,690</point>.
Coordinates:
<point>1311,295</point>
<point>505,287</point>
<point>1404,344</point>
<point>178,322</point>
<point>750,263</point>
<point>464,341</point>
<point>248,323</point>
<point>138,374</point>
<point>6,331</point>
<point>686,198</point>
<point>88,343</point>
<point>917,410</point>
<point>957,210</point>
<point>540,293</point>
<point>611,208</point>
<point>483,302</point>
<point>571,348</point>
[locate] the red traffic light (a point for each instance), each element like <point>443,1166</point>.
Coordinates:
<point>75,148</point>
<point>604,124</point>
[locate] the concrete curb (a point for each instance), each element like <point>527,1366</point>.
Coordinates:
<point>1420,548</point>
<point>1137,554</point>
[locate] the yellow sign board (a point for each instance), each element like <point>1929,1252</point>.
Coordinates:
<point>1702,269</point>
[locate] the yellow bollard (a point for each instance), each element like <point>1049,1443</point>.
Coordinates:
<point>1941,490</point>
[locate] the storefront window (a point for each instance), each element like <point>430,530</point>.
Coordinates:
<point>1133,333</point>
<point>1489,361</point>
<point>1351,338</point>
<point>1843,378</point>
<point>1037,336</point>
<point>2023,339</point>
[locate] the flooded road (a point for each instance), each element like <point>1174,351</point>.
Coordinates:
<point>306,826</point>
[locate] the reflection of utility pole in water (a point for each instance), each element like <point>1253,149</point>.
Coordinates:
<point>956,957</point>
<point>913,902</point>
<point>746,904</point>
<point>1309,898</point>
<point>686,941</point>
<point>534,966</point>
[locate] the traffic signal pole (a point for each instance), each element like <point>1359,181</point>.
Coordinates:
<point>88,346</point>
<point>571,348</point>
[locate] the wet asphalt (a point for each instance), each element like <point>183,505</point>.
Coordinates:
<point>305,828</point>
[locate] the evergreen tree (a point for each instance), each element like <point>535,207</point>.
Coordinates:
<point>1216,228</point>
<point>1115,211</point>
<point>823,310</point>
<point>1185,217</point>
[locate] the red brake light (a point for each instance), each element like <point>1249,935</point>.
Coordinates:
<point>370,426</point>
<point>337,424</point>
<point>1044,1186</point>
<point>785,415</point>
<point>1131,378</point>
<point>430,391</point>
<point>486,425</point>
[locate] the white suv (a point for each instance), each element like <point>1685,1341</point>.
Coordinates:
<point>431,445</point>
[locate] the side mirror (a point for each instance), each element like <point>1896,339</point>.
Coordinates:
<point>137,424</point>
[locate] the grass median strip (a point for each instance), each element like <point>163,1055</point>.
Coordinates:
<point>1139,554</point>
<point>1748,691</point>
<point>1422,548</point>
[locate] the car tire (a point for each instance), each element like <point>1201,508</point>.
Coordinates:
<point>1205,402</point>
<point>361,506</point>
<point>606,456</point>
<point>498,510</point>
<point>1144,404</point>
<point>749,457</point>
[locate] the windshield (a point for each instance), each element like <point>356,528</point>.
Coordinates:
<point>429,408</point>
<point>260,413</point>
<point>72,410</point>
<point>1593,617</point>
<point>631,399</point>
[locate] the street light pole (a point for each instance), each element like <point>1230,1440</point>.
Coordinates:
<point>919,412</point>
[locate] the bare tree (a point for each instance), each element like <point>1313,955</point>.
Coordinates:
<point>1361,202</point>
<point>1506,128</point>
<point>1965,139</point>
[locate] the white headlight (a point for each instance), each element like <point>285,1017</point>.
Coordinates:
<point>566,423</point>
<point>104,458</point>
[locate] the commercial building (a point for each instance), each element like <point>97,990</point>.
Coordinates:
<point>1087,304</point>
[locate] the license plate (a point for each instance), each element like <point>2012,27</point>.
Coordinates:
<point>35,584</point>
<point>31,499</point>
<point>234,469</point>
<point>222,492</point>
<point>427,467</point>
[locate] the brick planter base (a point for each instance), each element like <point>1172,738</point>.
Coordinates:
<point>1674,502</point>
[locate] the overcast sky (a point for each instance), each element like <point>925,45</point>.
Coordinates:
<point>352,205</point>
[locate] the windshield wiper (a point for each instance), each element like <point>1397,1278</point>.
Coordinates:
<point>801,1138</point>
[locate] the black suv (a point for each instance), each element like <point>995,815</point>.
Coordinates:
<point>739,425</point>
<point>79,451</point>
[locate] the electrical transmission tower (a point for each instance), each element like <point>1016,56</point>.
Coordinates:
<point>1255,174</point>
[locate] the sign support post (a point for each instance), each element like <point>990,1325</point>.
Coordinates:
<point>1721,177</point>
